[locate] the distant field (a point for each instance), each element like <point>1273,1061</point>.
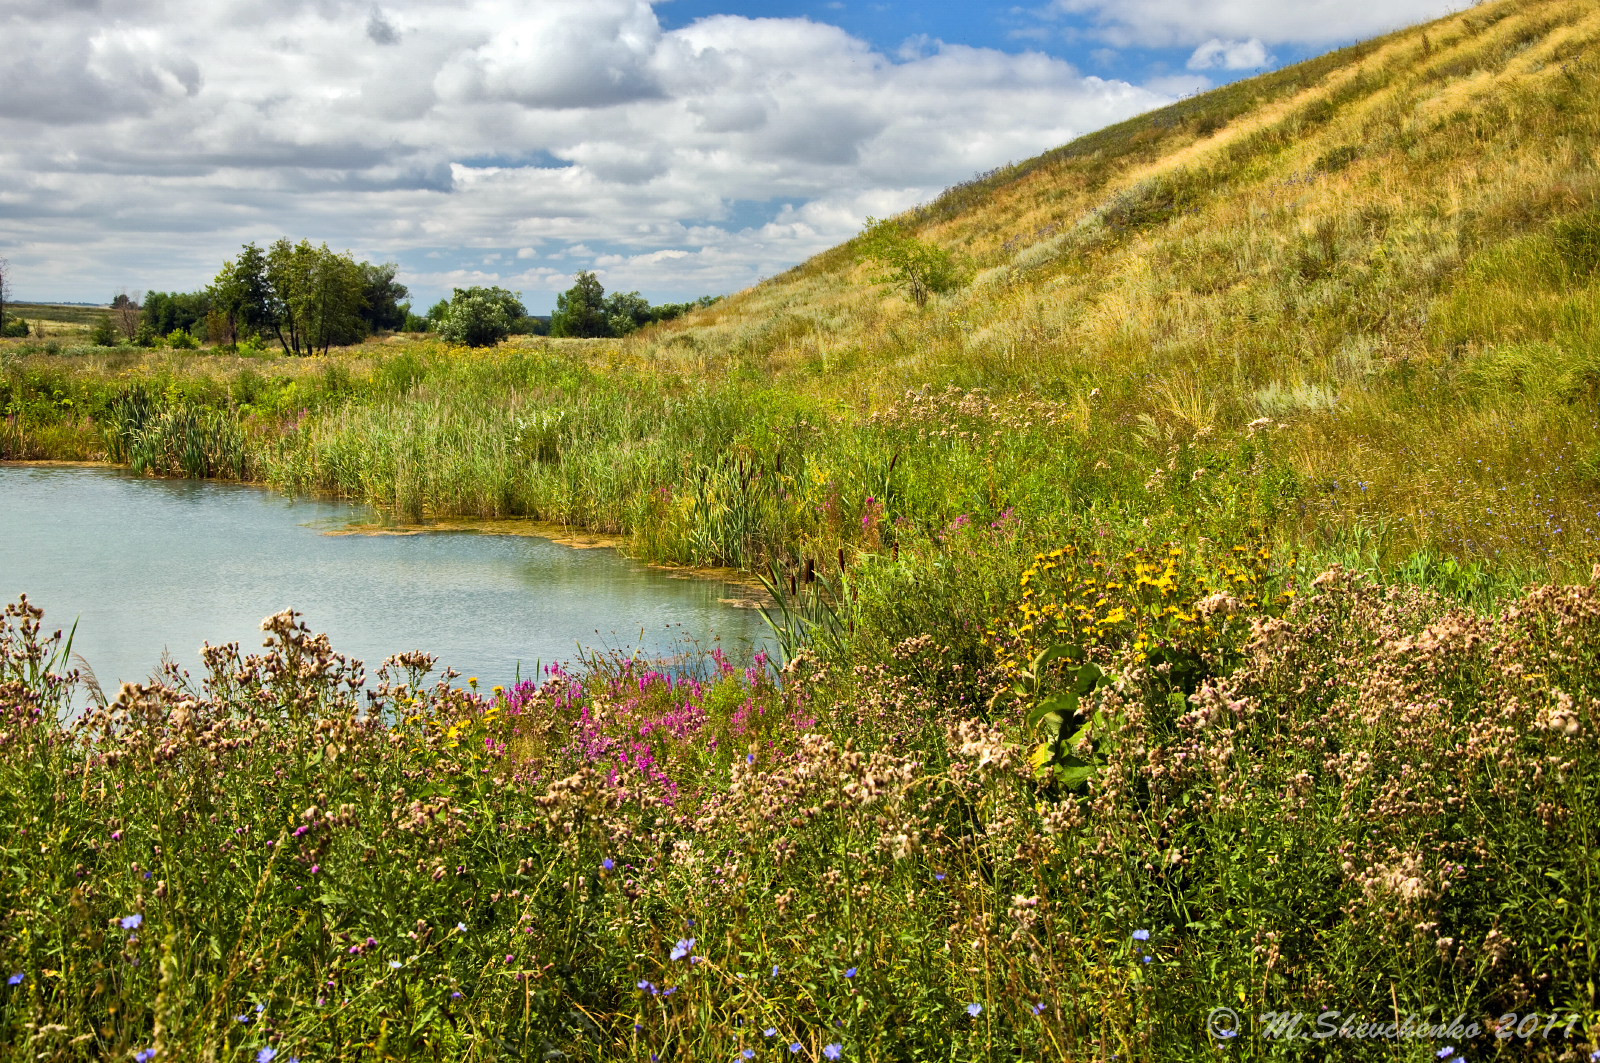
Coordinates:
<point>57,319</point>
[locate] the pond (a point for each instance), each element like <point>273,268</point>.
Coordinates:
<point>148,567</point>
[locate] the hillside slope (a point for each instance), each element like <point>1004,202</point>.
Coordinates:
<point>1383,249</point>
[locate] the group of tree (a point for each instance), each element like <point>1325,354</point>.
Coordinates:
<point>585,310</point>
<point>307,298</point>
<point>478,317</point>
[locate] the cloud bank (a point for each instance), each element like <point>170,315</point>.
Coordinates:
<point>493,141</point>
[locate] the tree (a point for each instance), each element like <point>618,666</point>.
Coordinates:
<point>581,309</point>
<point>315,297</point>
<point>918,268</point>
<point>382,295</point>
<point>627,312</point>
<point>125,309</point>
<point>481,317</point>
<point>241,296</point>
<point>105,333</point>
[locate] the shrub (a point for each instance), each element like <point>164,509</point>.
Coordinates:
<point>480,317</point>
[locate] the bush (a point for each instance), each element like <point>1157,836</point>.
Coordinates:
<point>180,340</point>
<point>480,317</point>
<point>14,329</point>
<point>105,334</point>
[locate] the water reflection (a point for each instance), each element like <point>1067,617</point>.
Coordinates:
<point>154,565</point>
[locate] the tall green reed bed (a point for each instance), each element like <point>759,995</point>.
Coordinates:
<point>1337,796</point>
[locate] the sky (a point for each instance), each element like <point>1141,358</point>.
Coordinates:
<point>677,148</point>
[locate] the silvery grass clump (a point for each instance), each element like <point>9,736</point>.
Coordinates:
<point>1383,802</point>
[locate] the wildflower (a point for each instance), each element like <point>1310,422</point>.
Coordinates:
<point>1037,1008</point>
<point>850,973</point>
<point>749,758</point>
<point>461,927</point>
<point>132,922</point>
<point>832,1051</point>
<point>770,1031</point>
<point>394,965</point>
<point>456,995</point>
<point>241,1018</point>
<point>681,949</point>
<point>15,979</point>
<point>315,868</point>
<point>938,876</point>
<point>648,987</point>
<point>974,1010</point>
<point>510,958</point>
<point>607,864</point>
<point>1448,1050</point>
<point>774,970</point>
<point>1141,935</point>
<point>671,989</point>
<point>748,1054</point>
<point>794,1047</point>
<point>144,1055</point>
<point>266,1055</point>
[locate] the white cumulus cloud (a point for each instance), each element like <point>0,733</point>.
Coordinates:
<point>1230,55</point>
<point>490,141</point>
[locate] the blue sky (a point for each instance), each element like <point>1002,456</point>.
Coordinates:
<point>678,148</point>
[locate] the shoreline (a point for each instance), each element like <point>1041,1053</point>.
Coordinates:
<point>560,534</point>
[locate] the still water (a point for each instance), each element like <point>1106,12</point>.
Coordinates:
<point>153,566</point>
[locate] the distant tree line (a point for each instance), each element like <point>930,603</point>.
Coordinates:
<point>479,317</point>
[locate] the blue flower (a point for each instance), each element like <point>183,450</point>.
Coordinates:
<point>1447,1051</point>
<point>607,864</point>
<point>461,927</point>
<point>241,1018</point>
<point>266,1055</point>
<point>144,1055</point>
<point>132,922</point>
<point>681,949</point>
<point>850,972</point>
<point>1145,958</point>
<point>394,965</point>
<point>456,995</point>
<point>833,1051</point>
<point>748,1054</point>
<point>974,1010</point>
<point>1141,935</point>
<point>794,1048</point>
<point>938,876</point>
<point>770,1031</point>
<point>1037,1008</point>
<point>774,970</point>
<point>648,987</point>
<point>16,979</point>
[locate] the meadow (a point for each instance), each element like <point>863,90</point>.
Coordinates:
<point>1195,608</point>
